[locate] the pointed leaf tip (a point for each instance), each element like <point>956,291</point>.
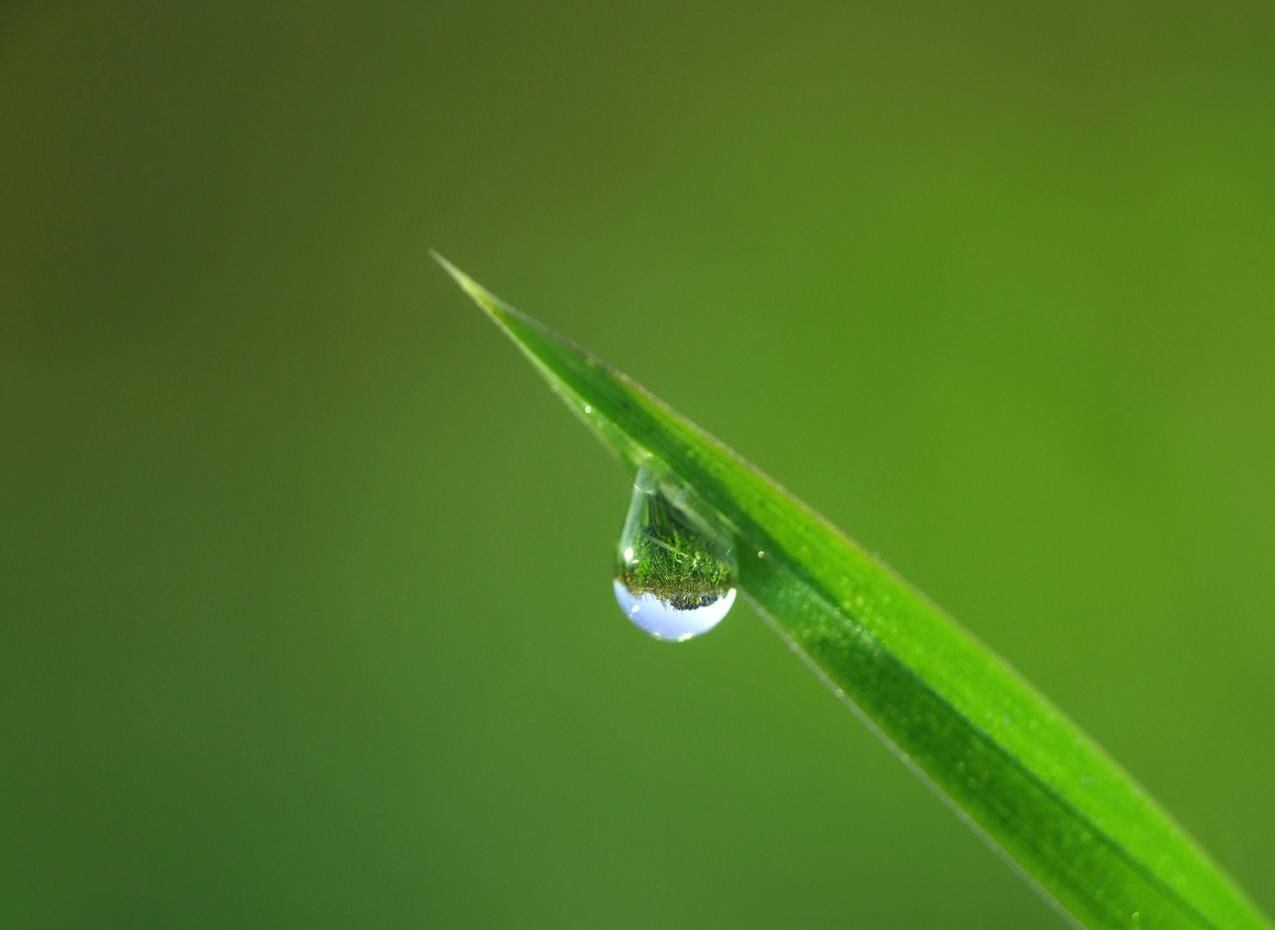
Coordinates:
<point>467,284</point>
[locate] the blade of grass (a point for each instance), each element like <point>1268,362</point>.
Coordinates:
<point>1029,779</point>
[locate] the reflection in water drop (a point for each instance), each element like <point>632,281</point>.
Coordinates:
<point>670,579</point>
<point>664,621</point>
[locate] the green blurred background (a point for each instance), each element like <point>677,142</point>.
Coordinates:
<point>306,598</point>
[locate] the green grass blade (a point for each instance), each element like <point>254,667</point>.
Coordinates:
<point>1021,772</point>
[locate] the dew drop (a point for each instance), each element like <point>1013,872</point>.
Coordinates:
<point>671,580</point>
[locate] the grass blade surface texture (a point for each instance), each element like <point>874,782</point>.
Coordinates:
<point>1027,777</point>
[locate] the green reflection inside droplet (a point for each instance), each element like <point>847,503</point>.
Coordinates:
<point>671,580</point>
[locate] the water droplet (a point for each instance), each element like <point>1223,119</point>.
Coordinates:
<point>670,579</point>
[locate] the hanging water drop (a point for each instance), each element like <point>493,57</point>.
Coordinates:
<point>670,579</point>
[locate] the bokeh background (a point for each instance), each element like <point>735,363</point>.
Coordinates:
<point>307,617</point>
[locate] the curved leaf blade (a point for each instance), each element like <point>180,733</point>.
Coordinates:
<point>1014,766</point>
